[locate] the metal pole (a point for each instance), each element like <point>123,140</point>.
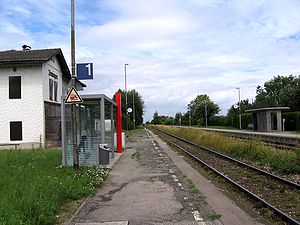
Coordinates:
<point>189,108</point>
<point>205,113</point>
<point>133,109</point>
<point>126,113</point>
<point>73,78</point>
<point>112,130</point>
<point>240,111</point>
<point>179,119</point>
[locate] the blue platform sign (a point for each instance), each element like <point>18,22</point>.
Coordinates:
<point>84,71</point>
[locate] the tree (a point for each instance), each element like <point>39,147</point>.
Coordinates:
<point>138,106</point>
<point>178,119</point>
<point>232,114</point>
<point>202,106</point>
<point>156,119</point>
<point>166,120</point>
<point>279,91</point>
<point>245,105</point>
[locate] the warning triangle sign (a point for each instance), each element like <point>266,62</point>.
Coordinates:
<point>73,97</point>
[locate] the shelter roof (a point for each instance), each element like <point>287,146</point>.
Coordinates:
<point>268,109</point>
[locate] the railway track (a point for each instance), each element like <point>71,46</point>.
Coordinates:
<point>278,194</point>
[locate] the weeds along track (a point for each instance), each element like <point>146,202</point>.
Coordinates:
<point>277,193</point>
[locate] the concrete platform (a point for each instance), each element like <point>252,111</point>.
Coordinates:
<point>150,185</point>
<point>105,223</point>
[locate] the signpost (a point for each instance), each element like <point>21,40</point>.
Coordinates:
<point>84,71</point>
<point>73,79</point>
<point>73,97</point>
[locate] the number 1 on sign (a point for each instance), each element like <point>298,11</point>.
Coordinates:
<point>88,66</point>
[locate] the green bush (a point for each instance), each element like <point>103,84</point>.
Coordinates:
<point>217,121</point>
<point>231,121</point>
<point>292,121</point>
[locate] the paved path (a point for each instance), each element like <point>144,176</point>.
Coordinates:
<point>151,185</point>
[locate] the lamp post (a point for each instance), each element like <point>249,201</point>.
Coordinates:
<point>240,111</point>
<point>205,105</point>
<point>189,108</point>
<point>126,117</point>
<point>133,109</point>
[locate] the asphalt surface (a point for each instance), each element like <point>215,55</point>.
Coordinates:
<point>151,185</point>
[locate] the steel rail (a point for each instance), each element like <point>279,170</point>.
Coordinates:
<point>278,211</point>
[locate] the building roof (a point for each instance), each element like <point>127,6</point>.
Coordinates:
<point>35,57</point>
<point>268,109</point>
<point>28,56</point>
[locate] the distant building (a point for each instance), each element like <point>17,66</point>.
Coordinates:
<point>31,85</point>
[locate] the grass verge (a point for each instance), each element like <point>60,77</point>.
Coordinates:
<point>136,156</point>
<point>283,161</point>
<point>34,187</point>
<point>195,190</point>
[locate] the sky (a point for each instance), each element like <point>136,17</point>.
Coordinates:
<point>176,49</point>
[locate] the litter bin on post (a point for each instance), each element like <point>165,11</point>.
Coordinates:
<point>103,154</point>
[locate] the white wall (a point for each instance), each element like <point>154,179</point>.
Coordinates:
<point>53,66</point>
<point>28,109</point>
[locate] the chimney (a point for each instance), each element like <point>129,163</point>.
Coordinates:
<point>26,47</point>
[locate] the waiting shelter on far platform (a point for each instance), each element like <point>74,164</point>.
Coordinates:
<point>268,119</point>
<point>95,127</point>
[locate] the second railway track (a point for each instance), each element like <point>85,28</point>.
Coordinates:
<point>279,194</point>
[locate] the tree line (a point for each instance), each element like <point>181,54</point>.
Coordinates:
<point>279,91</point>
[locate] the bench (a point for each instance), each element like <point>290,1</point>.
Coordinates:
<point>9,144</point>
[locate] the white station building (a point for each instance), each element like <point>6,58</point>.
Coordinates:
<point>31,85</point>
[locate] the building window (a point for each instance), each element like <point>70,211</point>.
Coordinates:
<point>16,131</point>
<point>15,87</point>
<point>55,90</point>
<point>53,86</point>
<point>51,89</point>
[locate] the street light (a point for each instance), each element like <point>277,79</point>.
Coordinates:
<point>205,102</point>
<point>126,118</point>
<point>189,108</point>
<point>240,111</point>
<point>133,108</point>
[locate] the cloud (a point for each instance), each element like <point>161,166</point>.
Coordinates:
<point>175,49</point>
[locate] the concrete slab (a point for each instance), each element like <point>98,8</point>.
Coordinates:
<point>105,223</point>
<point>221,204</point>
<point>148,186</point>
<point>140,189</point>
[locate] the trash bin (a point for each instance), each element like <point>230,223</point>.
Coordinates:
<point>104,154</point>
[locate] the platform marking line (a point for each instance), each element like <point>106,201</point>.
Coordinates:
<point>197,216</point>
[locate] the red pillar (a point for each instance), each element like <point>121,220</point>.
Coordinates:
<point>119,123</point>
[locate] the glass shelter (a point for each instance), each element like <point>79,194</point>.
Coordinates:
<point>95,126</point>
